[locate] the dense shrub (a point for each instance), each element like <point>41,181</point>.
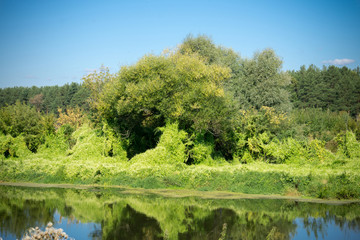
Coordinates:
<point>348,145</point>
<point>201,149</point>
<point>13,146</point>
<point>170,149</point>
<point>322,124</point>
<point>21,119</point>
<point>89,144</point>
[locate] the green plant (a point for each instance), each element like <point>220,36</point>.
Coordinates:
<point>170,149</point>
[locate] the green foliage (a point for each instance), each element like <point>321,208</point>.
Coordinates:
<point>170,149</point>
<point>255,129</point>
<point>48,124</point>
<point>90,144</point>
<point>202,149</point>
<point>318,151</point>
<point>288,150</point>
<point>47,99</point>
<point>212,54</point>
<point>173,87</point>
<point>20,119</point>
<point>113,144</point>
<point>178,87</point>
<point>322,124</point>
<point>262,83</point>
<point>13,146</point>
<point>331,88</point>
<point>94,83</point>
<point>348,145</point>
<point>55,144</point>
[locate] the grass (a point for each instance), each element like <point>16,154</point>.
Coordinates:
<point>317,181</point>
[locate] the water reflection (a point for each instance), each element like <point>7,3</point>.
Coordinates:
<point>112,214</point>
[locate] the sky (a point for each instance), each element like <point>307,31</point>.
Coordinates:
<point>54,42</point>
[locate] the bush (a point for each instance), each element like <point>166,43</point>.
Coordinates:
<point>54,144</point>
<point>170,149</point>
<point>321,124</point>
<point>318,151</point>
<point>21,119</point>
<point>288,151</point>
<point>90,144</point>
<point>113,145</point>
<point>202,149</point>
<point>13,147</point>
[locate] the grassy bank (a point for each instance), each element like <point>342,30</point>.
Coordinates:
<point>320,181</point>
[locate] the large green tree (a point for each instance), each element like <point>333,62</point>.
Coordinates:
<point>173,87</point>
<point>254,82</point>
<point>262,83</point>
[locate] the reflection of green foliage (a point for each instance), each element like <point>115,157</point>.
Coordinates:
<point>136,216</point>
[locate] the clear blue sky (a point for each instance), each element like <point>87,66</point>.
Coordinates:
<point>53,42</point>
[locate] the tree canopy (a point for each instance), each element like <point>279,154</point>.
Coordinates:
<point>333,88</point>
<point>173,87</point>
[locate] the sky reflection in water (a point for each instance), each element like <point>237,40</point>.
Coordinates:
<point>112,214</point>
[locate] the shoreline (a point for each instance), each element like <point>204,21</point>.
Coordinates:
<point>181,193</point>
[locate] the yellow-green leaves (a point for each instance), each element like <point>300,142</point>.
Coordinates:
<point>175,87</point>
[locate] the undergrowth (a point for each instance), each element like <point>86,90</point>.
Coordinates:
<point>94,156</point>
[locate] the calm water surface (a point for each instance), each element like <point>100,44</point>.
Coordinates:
<point>113,214</point>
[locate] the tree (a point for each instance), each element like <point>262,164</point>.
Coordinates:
<point>21,119</point>
<point>37,101</point>
<point>173,87</point>
<point>333,88</point>
<point>262,83</point>
<point>253,82</point>
<point>213,54</point>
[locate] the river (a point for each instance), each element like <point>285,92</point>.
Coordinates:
<point>114,213</point>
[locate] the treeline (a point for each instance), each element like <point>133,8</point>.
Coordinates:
<point>47,99</point>
<point>200,103</point>
<point>333,88</point>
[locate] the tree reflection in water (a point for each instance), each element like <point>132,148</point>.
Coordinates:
<point>141,216</point>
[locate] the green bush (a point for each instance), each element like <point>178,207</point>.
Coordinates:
<point>113,144</point>
<point>287,151</point>
<point>202,149</point>
<point>322,124</point>
<point>54,144</point>
<point>13,146</point>
<point>21,119</point>
<point>91,145</point>
<point>170,149</point>
<point>317,151</point>
<point>348,145</point>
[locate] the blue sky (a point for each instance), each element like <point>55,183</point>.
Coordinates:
<point>54,42</point>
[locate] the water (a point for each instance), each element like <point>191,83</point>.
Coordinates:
<point>114,214</point>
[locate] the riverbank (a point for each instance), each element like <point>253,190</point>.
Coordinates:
<point>298,181</point>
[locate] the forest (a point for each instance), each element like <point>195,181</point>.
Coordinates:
<point>195,117</point>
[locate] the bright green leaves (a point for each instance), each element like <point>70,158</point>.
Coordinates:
<point>175,87</point>
<point>171,148</point>
<point>20,119</point>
